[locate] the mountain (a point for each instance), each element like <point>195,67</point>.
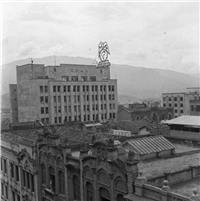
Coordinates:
<point>139,82</point>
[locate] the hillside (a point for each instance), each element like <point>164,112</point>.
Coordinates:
<point>136,82</point>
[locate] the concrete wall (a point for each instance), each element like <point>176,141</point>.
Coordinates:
<point>13,102</point>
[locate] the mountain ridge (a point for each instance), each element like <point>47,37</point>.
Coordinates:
<point>139,82</point>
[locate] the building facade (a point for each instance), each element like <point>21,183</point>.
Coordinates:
<point>54,94</point>
<point>18,169</point>
<point>183,103</point>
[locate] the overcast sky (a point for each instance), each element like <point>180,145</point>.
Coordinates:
<point>154,35</point>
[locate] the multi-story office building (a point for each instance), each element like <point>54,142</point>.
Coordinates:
<point>184,103</point>
<point>54,94</point>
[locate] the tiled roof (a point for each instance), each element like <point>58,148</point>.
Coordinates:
<point>28,136</point>
<point>150,144</point>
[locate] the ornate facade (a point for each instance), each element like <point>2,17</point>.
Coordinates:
<point>93,173</point>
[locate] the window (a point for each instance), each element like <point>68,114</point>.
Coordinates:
<point>84,78</point>
<point>113,106</point>
<point>175,105</point>
<point>113,96</point>
<point>59,109</point>
<point>87,97</point>
<point>69,99</point>
<point>74,78</point>
<point>32,183</point>
<point>84,88</point>
<point>61,180</point>
<point>65,108</point>
<point>110,106</point>
<point>46,89</point>
<point>109,88</point>
<point>78,88</point>
<point>164,99</point>
<point>92,78</point>
<point>65,78</point>
<point>17,172</point>
<point>92,88</point>
<point>96,88</point>
<point>47,120</point>
<point>87,88</point>
<point>23,178</point>
<point>6,191</point>
<point>54,88</point>
<point>170,105</point>
<point>181,104</point>
<point>104,87</point>
<point>101,97</point>
<point>113,115</point>
<point>42,110</point>
<point>52,178</point>
<point>46,99</point>
<point>28,180</point>
<point>88,117</point>
<point>59,120</point>
<point>96,97</point>
<point>74,88</point>
<point>41,89</point>
<point>13,195</point>
<point>84,107</point>
<point>175,98</point>
<point>181,111</point>
<point>96,107</point>
<point>113,88</point>
<point>75,108</point>
<point>2,189</point>
<point>101,88</point>
<point>47,110</point>
<point>59,99</point>
<point>110,115</point>
<point>55,120</point>
<point>75,98</point>
<point>58,88</point>
<point>76,188</point>
<point>164,105</point>
<point>65,98</point>
<point>175,111</point>
<point>18,197</point>
<point>181,98</point>
<point>5,166</point>
<point>104,97</point>
<point>88,108</point>
<point>1,164</point>
<point>68,88</point>
<point>78,97</point>
<point>92,97</point>
<point>41,99</point>
<point>11,170</point>
<point>104,106</point>
<point>169,98</point>
<point>54,98</point>
<point>64,88</point>
<point>69,108</point>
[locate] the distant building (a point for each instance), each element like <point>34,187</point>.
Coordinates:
<point>150,147</point>
<point>183,103</point>
<point>68,92</point>
<point>138,111</point>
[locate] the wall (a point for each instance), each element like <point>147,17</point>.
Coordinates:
<point>124,115</point>
<point>13,102</point>
<point>176,177</point>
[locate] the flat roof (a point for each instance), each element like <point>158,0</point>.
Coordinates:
<point>185,120</point>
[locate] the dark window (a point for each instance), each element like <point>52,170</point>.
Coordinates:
<point>84,78</point>
<point>175,98</point>
<point>28,180</point>
<point>32,183</point>
<point>84,88</point>
<point>87,88</point>
<point>76,188</point>
<point>109,88</point>
<point>175,105</point>
<point>64,88</point>
<point>13,195</point>
<point>74,78</point>
<point>87,97</point>
<point>61,180</point>
<point>164,98</point>
<point>181,104</point>
<point>60,120</point>
<point>2,189</point>
<point>58,88</point>
<point>46,89</point>
<point>88,117</point>
<point>65,99</point>
<point>92,78</point>
<point>113,96</point>
<point>74,88</point>
<point>5,166</point>
<point>78,97</point>
<point>52,178</point>
<point>181,98</point>
<point>68,88</point>
<point>92,88</point>
<point>113,88</point>
<point>169,98</point>
<point>96,88</point>
<point>59,99</point>
<point>47,110</point>
<point>164,105</point>
<point>104,87</point>
<point>113,115</point>
<point>23,178</point>
<point>41,99</point>
<point>42,110</point>
<point>170,105</point>
<point>1,164</point>
<point>54,98</point>
<point>101,88</point>
<point>17,172</point>
<point>175,111</point>
<point>65,78</point>
<point>181,111</point>
<point>11,170</point>
<point>54,88</point>
<point>46,99</point>
<point>41,89</point>
<point>78,88</point>
<point>55,120</point>
<point>18,197</point>
<point>6,191</point>
<point>96,97</point>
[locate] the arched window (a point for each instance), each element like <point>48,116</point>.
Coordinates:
<point>90,192</point>
<point>61,181</point>
<point>43,172</point>
<point>52,178</point>
<point>76,188</point>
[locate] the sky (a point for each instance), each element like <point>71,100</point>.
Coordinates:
<point>162,35</point>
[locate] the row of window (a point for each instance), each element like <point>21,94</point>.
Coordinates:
<point>77,108</point>
<point>51,180</point>
<point>84,88</point>
<point>44,99</point>
<point>170,105</point>
<point>85,98</point>
<point>95,117</point>
<point>75,78</point>
<point>195,108</point>
<point>172,98</point>
<point>43,89</point>
<point>28,180</point>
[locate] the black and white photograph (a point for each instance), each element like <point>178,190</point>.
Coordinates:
<point>100,101</point>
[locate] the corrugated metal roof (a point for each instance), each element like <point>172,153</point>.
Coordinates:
<point>185,120</point>
<point>150,144</point>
